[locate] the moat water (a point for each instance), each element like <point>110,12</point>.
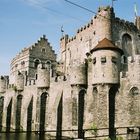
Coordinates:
<point>23,136</point>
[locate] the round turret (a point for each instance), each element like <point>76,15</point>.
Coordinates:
<point>106,59</point>
<point>78,75</point>
<point>43,78</point>
<point>19,81</point>
<point>104,22</point>
<point>2,84</point>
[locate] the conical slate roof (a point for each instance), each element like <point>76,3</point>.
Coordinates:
<point>106,44</point>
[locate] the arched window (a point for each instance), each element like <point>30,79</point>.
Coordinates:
<point>43,50</point>
<point>1,110</point>
<point>94,104</point>
<point>112,95</point>
<point>29,115</point>
<point>9,114</point>
<point>134,91</point>
<point>81,106</point>
<point>36,63</point>
<point>48,64</point>
<point>127,45</point>
<point>43,100</point>
<point>18,112</point>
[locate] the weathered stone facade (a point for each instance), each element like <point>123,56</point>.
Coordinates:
<point>97,81</point>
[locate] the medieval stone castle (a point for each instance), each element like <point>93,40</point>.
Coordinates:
<point>96,83</point>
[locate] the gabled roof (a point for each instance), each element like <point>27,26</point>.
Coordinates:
<point>106,44</point>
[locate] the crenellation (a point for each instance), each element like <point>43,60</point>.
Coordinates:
<point>126,24</point>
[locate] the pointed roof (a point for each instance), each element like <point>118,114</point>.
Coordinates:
<point>106,44</point>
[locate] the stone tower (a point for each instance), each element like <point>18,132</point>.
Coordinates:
<point>104,65</point>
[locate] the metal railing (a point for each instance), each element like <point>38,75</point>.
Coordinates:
<point>130,133</point>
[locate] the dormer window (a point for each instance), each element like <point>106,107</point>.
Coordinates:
<point>103,60</point>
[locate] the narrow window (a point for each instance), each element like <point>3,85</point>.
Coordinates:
<point>43,50</point>
<point>114,59</point>
<point>16,65</point>
<point>94,60</point>
<point>36,76</point>
<point>22,63</point>
<point>103,60</point>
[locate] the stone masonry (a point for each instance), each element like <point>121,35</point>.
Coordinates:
<point>96,83</point>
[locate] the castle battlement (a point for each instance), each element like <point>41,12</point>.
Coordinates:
<point>126,24</point>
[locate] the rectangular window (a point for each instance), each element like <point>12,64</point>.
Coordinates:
<point>103,60</point>
<point>114,59</point>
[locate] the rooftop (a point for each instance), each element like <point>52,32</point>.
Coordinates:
<point>106,44</point>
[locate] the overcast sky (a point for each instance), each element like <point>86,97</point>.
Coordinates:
<point>23,22</point>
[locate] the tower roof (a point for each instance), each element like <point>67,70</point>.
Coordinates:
<point>106,44</point>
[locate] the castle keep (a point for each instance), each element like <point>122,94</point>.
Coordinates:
<point>95,83</point>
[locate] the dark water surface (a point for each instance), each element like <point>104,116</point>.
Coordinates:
<point>23,136</point>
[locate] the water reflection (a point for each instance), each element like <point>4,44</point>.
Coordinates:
<point>22,136</point>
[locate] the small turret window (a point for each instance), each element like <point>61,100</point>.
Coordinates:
<point>103,60</point>
<point>36,76</point>
<point>134,91</point>
<point>22,63</point>
<point>114,59</point>
<point>16,65</point>
<point>124,59</point>
<point>94,60</point>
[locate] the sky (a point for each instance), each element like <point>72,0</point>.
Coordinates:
<point>23,22</point>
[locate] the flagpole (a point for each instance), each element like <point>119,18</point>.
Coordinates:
<point>112,4</point>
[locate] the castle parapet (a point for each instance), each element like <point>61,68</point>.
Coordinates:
<point>126,24</point>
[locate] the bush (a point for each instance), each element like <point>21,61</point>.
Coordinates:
<point>94,129</point>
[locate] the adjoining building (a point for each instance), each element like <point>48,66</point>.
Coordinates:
<point>96,83</point>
